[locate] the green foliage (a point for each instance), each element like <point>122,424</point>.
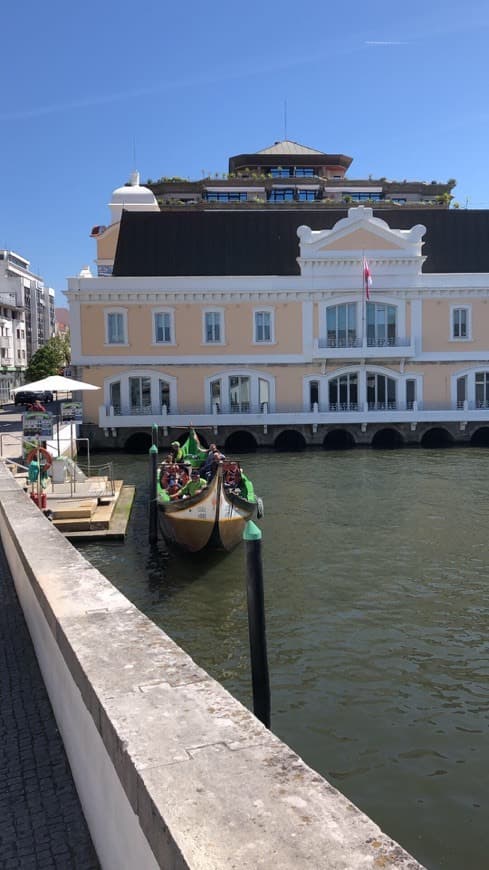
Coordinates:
<point>49,359</point>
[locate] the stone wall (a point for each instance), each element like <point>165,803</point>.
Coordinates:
<point>171,771</point>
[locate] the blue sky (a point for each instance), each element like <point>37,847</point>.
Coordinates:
<point>400,87</point>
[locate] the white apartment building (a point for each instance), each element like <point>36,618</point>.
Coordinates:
<point>26,318</point>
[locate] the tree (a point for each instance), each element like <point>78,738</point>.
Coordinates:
<point>50,358</point>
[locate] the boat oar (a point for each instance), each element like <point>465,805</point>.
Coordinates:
<point>256,623</point>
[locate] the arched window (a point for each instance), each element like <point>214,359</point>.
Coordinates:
<point>240,392</point>
<point>341,325</point>
<point>343,392</point>
<point>141,393</point>
<point>381,392</point>
<point>381,324</point>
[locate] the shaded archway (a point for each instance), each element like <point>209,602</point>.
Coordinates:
<point>387,439</point>
<point>338,439</point>
<point>290,440</point>
<point>436,437</point>
<point>240,442</point>
<point>480,438</point>
<point>138,442</point>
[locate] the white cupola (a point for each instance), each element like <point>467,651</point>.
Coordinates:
<point>132,197</point>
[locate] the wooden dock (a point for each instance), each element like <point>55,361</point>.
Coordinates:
<point>95,519</point>
<point>88,510</point>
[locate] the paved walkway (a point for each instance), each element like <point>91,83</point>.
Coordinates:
<point>41,822</point>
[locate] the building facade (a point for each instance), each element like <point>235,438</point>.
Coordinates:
<point>259,327</point>
<point>288,172</point>
<point>26,318</point>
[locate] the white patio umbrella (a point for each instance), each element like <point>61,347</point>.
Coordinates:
<point>56,384</point>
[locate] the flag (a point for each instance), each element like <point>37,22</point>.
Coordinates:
<point>367,279</point>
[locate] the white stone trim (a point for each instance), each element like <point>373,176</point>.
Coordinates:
<point>193,359</point>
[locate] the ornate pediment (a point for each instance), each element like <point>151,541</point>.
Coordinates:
<point>359,235</point>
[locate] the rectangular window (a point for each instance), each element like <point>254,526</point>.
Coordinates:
<point>140,395</point>
<point>280,172</point>
<point>215,390</point>
<point>410,394</point>
<point>461,391</point>
<point>281,194</point>
<point>482,389</point>
<point>304,172</point>
<point>263,393</point>
<point>307,195</point>
<point>163,327</point>
<point>115,328</point>
<point>213,332</point>
<point>115,396</point>
<point>239,394</point>
<point>459,323</point>
<point>263,326</point>
<point>226,196</point>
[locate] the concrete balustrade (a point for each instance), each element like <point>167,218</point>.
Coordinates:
<point>171,770</point>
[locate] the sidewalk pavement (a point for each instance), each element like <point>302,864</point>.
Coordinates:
<point>42,826</point>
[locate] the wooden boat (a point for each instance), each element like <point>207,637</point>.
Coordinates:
<point>214,517</point>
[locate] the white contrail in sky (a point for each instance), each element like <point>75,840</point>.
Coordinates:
<point>384,42</point>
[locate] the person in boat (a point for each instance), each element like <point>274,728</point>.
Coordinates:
<point>173,486</point>
<point>209,467</point>
<point>176,452</point>
<point>195,485</point>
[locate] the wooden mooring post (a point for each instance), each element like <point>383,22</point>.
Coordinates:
<point>256,624</point>
<point>153,507</point>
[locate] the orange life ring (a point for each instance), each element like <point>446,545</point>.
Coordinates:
<point>48,459</point>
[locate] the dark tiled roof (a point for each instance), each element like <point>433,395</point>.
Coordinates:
<point>266,243</point>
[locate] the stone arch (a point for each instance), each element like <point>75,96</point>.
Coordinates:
<point>437,436</point>
<point>240,442</point>
<point>387,439</point>
<point>480,438</point>
<point>290,440</point>
<point>338,439</point>
<point>138,442</point>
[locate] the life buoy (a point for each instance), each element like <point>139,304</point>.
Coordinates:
<point>48,459</point>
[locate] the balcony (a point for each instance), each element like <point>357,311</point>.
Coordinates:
<point>358,348</point>
<point>247,415</point>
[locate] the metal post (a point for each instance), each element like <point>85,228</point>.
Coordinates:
<point>154,434</point>
<point>256,623</point>
<point>153,509</point>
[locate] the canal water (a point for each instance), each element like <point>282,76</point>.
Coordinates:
<point>376,567</point>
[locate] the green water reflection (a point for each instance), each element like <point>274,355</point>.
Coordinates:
<point>376,567</point>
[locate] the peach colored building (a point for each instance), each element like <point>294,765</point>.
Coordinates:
<point>258,326</point>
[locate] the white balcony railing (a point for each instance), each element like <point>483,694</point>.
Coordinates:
<point>111,417</point>
<point>353,347</point>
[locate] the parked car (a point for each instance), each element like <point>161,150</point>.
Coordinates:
<point>28,397</point>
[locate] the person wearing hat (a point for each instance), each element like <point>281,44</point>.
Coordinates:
<point>176,451</point>
<point>196,484</point>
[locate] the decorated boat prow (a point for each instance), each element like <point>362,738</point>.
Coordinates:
<point>197,511</point>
